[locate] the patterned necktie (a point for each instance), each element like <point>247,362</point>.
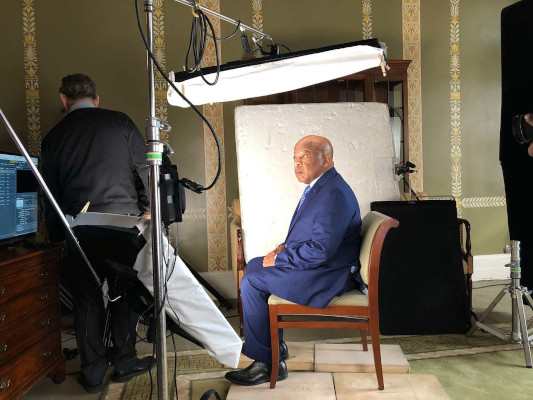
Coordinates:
<point>307,189</point>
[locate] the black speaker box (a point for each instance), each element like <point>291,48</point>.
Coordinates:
<point>421,281</point>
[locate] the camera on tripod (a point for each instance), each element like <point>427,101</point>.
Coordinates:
<point>522,130</point>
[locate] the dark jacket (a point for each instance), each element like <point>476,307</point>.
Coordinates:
<point>90,156</point>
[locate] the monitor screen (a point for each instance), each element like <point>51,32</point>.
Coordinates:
<point>18,196</point>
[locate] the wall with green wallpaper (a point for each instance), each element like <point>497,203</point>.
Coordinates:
<point>100,38</point>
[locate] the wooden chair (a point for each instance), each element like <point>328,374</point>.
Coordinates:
<point>355,310</point>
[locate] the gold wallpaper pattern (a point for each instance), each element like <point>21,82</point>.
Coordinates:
<point>31,78</point>
<point>257,21</point>
<point>412,51</point>
<point>217,221</point>
<point>161,103</point>
<point>455,104</point>
<point>367,18</point>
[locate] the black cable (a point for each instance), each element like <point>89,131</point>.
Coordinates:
<point>229,36</point>
<point>165,76</point>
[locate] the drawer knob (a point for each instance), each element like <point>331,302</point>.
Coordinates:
<point>44,274</point>
<point>4,383</point>
<point>2,290</point>
<point>47,352</point>
<point>43,296</point>
<point>2,315</point>
<point>46,322</point>
<point>3,347</point>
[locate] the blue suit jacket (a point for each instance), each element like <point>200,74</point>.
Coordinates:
<point>322,244</point>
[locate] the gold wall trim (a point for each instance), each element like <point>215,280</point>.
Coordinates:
<point>455,104</point>
<point>217,221</point>
<point>367,18</point>
<point>257,21</point>
<point>31,78</point>
<point>161,103</point>
<point>412,51</point>
<point>480,202</point>
<point>196,214</point>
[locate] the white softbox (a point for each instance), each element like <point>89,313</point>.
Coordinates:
<point>275,74</point>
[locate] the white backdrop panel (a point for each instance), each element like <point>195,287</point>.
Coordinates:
<point>363,151</point>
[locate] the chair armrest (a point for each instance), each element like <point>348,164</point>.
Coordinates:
<point>466,245</point>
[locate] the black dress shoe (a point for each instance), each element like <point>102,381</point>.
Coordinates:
<point>283,350</point>
<point>126,370</point>
<point>256,373</point>
<point>90,387</point>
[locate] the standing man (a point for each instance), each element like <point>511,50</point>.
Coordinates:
<point>91,156</point>
<point>517,99</point>
<point>312,266</point>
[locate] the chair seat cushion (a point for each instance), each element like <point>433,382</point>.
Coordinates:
<point>353,298</point>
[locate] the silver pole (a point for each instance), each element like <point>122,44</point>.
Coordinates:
<point>43,185</point>
<point>153,160</point>
<point>227,19</point>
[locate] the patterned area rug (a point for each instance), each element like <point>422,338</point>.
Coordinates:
<point>198,372</point>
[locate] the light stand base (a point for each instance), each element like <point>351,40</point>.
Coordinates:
<point>520,333</point>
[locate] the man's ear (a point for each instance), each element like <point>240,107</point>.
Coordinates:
<point>64,99</point>
<point>96,101</point>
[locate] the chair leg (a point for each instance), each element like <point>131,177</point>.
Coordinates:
<point>364,342</point>
<point>374,334</point>
<point>274,343</point>
<point>239,308</point>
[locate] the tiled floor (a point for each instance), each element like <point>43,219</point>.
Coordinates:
<point>47,390</point>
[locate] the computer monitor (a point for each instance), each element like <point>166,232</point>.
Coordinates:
<point>18,196</point>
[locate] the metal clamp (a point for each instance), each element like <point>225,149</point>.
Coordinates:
<point>47,352</point>
<point>4,383</point>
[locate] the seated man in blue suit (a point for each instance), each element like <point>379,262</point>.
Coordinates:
<point>318,260</point>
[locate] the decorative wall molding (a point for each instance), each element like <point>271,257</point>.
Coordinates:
<point>161,103</point>
<point>367,19</point>
<point>217,221</point>
<point>482,202</point>
<point>412,51</point>
<point>257,21</point>
<point>197,214</point>
<point>455,104</point>
<point>31,78</point>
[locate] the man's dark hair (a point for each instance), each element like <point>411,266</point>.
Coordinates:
<point>78,86</point>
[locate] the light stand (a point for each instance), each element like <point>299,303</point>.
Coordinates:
<point>154,156</point>
<point>519,333</point>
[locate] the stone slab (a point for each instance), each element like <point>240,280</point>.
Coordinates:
<point>350,357</point>
<point>350,386</point>
<point>298,385</point>
<point>301,357</point>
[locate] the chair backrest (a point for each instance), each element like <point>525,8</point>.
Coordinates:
<point>265,136</point>
<point>373,232</point>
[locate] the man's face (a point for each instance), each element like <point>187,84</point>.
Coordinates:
<point>308,161</point>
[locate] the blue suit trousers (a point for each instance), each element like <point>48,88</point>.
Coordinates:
<point>255,291</point>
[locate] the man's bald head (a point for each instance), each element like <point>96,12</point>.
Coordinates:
<point>313,155</point>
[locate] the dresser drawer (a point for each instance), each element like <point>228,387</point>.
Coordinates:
<point>19,308</point>
<point>18,374</point>
<point>17,338</point>
<point>13,285</point>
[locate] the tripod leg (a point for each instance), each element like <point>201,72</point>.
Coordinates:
<point>523,326</point>
<point>488,310</point>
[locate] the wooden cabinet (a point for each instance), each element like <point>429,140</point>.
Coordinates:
<point>30,334</point>
<point>367,85</point>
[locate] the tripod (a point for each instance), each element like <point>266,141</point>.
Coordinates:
<point>519,333</point>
